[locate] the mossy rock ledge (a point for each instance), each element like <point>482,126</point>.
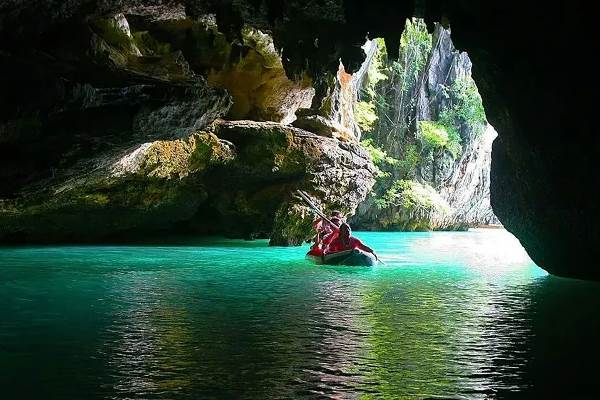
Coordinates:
<point>233,178</point>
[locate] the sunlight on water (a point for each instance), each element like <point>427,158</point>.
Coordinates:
<point>451,314</point>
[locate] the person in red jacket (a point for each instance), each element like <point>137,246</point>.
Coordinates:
<point>344,241</point>
<point>326,232</point>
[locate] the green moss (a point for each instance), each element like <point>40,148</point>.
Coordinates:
<point>262,43</point>
<point>99,199</point>
<point>149,46</point>
<point>108,30</point>
<point>207,150</point>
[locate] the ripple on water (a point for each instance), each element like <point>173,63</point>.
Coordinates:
<point>451,315</point>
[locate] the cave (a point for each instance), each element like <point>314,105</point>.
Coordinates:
<point>162,162</point>
<point>57,94</point>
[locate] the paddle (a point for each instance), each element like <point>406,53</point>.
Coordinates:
<point>314,208</point>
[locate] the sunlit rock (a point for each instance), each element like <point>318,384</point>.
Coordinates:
<point>237,180</point>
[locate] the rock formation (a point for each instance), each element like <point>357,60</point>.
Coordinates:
<point>124,141</point>
<point>234,178</point>
<point>423,111</point>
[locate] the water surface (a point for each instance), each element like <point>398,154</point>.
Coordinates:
<point>453,315</point>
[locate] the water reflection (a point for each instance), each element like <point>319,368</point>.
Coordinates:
<point>149,341</point>
<point>453,315</point>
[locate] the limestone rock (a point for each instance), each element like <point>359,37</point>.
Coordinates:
<point>236,180</point>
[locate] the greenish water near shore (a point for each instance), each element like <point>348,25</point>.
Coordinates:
<point>464,314</point>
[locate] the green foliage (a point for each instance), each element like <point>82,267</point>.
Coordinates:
<point>379,156</point>
<point>394,97</point>
<point>377,71</point>
<point>468,101</point>
<point>393,101</point>
<point>434,135</point>
<point>365,115</point>
<point>466,107</point>
<point>454,145</point>
<point>414,197</point>
<point>415,47</point>
<point>437,135</point>
<point>409,161</point>
<point>366,110</point>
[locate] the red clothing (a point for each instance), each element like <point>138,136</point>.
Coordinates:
<point>322,226</point>
<point>330,237</point>
<point>353,243</point>
<point>323,241</point>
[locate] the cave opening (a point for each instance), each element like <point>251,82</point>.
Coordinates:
<point>422,119</point>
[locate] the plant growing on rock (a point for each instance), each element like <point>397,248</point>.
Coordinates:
<point>425,114</point>
<point>380,158</point>
<point>465,107</point>
<point>365,115</point>
<point>435,135</point>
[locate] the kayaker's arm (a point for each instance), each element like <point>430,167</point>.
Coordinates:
<point>366,248</point>
<point>372,252</point>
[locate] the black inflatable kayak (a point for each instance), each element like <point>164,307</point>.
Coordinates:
<point>354,257</point>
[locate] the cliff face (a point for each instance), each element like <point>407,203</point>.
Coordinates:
<point>425,124</point>
<point>110,130</point>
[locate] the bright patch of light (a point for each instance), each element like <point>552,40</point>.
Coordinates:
<point>486,251</point>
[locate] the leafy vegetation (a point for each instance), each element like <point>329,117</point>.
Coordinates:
<point>387,114</point>
<point>365,115</point>
<point>408,163</point>
<point>466,107</point>
<point>377,68</point>
<point>380,158</point>
<point>415,48</point>
<point>395,101</point>
<point>414,197</point>
<point>436,135</point>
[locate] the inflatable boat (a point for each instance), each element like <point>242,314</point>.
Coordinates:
<point>353,257</point>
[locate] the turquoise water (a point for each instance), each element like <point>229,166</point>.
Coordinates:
<point>460,315</point>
